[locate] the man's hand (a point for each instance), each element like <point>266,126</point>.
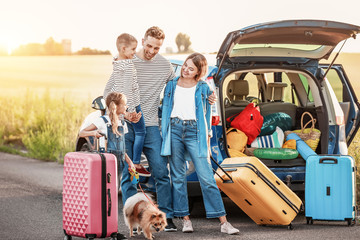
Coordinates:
<point>212,98</point>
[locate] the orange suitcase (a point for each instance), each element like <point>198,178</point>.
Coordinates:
<point>258,191</point>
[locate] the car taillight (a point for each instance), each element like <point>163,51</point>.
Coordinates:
<point>214,111</point>
<point>340,120</point>
<point>215,120</point>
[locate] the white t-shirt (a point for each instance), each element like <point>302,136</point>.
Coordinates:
<point>101,126</point>
<point>184,103</point>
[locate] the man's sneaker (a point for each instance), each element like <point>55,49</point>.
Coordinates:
<point>187,227</point>
<point>226,227</point>
<point>171,226</point>
<point>142,171</point>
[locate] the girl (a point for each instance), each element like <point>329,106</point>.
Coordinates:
<point>124,79</point>
<point>114,129</point>
<point>185,126</point>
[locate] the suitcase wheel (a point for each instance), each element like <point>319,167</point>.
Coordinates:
<point>351,222</point>
<point>67,237</point>
<point>290,227</point>
<point>309,221</point>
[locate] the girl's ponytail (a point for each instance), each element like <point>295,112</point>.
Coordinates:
<point>112,101</point>
<point>113,118</point>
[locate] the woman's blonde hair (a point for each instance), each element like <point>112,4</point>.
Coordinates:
<point>200,62</point>
<point>112,101</point>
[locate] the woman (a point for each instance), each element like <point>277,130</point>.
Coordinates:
<point>186,126</point>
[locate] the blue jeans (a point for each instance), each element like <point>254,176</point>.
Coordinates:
<point>139,129</point>
<point>184,137</point>
<point>157,167</point>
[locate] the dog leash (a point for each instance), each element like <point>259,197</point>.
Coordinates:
<point>135,180</point>
<point>152,203</point>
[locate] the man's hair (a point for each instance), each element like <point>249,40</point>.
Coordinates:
<point>155,32</point>
<point>124,39</point>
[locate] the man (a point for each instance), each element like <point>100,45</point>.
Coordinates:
<point>153,71</point>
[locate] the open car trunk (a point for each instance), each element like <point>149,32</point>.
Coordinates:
<point>300,93</point>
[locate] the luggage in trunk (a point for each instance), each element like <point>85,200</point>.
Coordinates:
<point>90,195</point>
<point>330,188</point>
<point>258,191</point>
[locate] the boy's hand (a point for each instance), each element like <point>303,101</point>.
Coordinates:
<point>135,117</point>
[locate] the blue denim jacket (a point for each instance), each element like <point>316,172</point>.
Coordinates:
<point>203,116</point>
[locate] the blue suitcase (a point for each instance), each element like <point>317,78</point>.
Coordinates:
<point>330,188</point>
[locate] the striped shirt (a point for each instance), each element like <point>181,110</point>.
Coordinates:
<point>152,76</point>
<point>124,80</point>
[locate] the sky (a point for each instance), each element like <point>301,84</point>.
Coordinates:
<point>96,23</point>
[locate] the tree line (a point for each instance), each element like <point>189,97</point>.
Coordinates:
<point>53,48</point>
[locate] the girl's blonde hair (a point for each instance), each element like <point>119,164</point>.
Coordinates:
<point>112,101</point>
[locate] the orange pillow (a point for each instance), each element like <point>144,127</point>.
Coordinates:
<point>290,144</point>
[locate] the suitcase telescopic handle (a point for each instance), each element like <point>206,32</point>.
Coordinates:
<point>224,181</point>
<point>97,148</point>
<point>327,160</point>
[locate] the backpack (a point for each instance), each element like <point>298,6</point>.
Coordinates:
<point>248,121</point>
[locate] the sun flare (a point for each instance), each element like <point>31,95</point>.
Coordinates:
<point>8,44</point>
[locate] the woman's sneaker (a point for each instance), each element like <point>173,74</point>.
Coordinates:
<point>187,227</point>
<point>226,227</point>
<point>142,171</point>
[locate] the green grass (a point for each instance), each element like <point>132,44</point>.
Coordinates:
<point>45,126</point>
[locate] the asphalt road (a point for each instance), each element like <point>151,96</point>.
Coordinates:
<point>31,208</point>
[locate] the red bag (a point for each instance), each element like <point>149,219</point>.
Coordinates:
<point>248,121</point>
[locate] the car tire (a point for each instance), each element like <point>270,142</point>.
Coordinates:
<point>85,148</point>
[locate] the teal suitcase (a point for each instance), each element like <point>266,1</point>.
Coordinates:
<point>330,188</point>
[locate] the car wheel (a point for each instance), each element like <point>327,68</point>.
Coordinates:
<point>85,148</point>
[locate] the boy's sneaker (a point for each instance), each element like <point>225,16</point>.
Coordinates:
<point>187,227</point>
<point>226,227</point>
<point>143,172</point>
<point>171,226</point>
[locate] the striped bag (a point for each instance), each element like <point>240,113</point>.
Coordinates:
<point>274,140</point>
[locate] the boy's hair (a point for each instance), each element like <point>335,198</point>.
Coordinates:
<point>124,39</point>
<point>112,101</point>
<point>200,62</point>
<point>155,32</point>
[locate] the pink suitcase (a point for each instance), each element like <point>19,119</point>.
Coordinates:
<point>90,195</point>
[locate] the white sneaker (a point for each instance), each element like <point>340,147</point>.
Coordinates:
<point>187,227</point>
<point>226,227</point>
